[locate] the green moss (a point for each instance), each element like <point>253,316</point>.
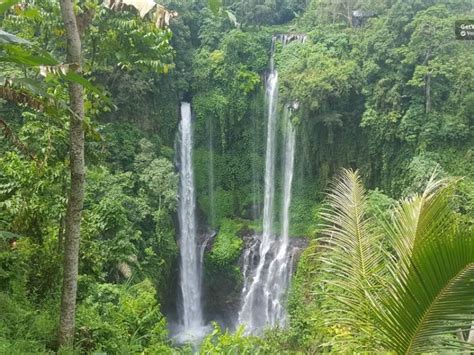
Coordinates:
<point>227,245</point>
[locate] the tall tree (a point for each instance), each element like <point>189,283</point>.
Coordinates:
<point>76,192</point>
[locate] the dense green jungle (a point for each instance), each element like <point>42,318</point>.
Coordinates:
<point>236,176</point>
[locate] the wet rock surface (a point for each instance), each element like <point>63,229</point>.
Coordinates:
<point>222,288</point>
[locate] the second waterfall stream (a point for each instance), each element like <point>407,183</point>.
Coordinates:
<point>266,284</point>
<point>192,326</point>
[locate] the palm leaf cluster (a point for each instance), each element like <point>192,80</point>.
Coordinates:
<point>351,255</point>
<point>414,295</point>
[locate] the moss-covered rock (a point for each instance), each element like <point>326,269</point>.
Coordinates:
<point>227,245</point>
<point>222,272</point>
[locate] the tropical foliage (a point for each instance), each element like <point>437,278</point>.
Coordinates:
<point>379,87</point>
<point>404,295</point>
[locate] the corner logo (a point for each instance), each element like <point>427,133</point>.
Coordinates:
<point>464,29</point>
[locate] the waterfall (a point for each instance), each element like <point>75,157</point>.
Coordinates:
<point>253,302</point>
<point>280,267</point>
<point>262,302</point>
<point>190,265</point>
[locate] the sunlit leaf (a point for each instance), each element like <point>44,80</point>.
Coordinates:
<point>215,6</point>
<point>6,4</point>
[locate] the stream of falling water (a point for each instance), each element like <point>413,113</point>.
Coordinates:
<point>191,319</point>
<point>279,270</point>
<point>264,287</point>
<point>252,313</point>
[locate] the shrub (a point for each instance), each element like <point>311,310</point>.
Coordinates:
<point>219,342</point>
<point>227,245</point>
<point>121,318</point>
<point>24,327</point>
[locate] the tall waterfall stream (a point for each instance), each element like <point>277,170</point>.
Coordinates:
<point>264,288</point>
<point>191,319</point>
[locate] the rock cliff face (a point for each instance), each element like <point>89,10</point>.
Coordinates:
<point>222,287</point>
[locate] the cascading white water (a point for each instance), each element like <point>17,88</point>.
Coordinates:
<point>190,268</point>
<point>252,298</point>
<point>280,268</point>
<point>202,250</point>
<point>265,286</point>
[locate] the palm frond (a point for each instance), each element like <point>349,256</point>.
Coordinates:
<point>426,293</point>
<point>435,297</point>
<point>432,292</point>
<point>427,215</point>
<point>352,254</point>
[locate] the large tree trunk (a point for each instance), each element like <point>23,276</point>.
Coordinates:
<point>76,192</point>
